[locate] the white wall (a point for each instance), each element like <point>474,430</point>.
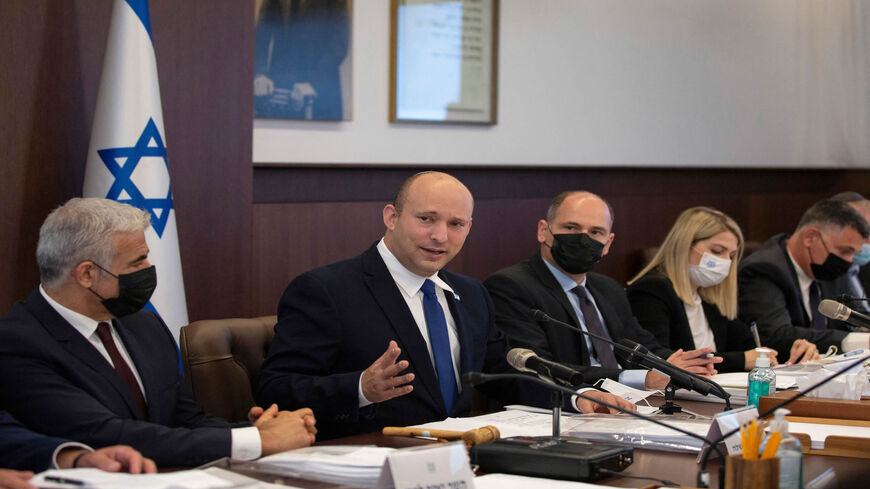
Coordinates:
<point>764,83</point>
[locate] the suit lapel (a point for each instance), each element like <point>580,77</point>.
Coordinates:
<point>554,288</point>
<point>612,325</point>
<point>386,293</point>
<point>79,347</point>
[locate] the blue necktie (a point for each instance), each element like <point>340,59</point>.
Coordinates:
<point>437,326</point>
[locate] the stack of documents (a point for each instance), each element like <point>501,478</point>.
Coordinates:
<point>605,427</point>
<point>352,465</point>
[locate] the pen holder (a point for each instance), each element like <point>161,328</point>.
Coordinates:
<point>741,473</point>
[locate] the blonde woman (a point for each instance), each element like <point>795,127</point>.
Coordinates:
<point>687,295</point>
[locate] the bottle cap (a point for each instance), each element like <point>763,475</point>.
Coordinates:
<point>763,360</point>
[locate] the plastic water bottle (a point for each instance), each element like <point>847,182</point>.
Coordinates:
<point>762,379</point>
<point>791,458</point>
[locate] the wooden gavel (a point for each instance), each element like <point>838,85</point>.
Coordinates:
<point>470,437</point>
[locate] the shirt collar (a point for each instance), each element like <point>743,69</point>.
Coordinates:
<point>567,283</point>
<point>804,280</point>
<point>83,324</point>
<point>407,280</point>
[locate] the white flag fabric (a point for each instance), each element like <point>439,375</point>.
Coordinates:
<point>127,154</point>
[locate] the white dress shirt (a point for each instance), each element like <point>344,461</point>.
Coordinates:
<point>246,443</point>
<point>409,285</point>
<point>702,335</point>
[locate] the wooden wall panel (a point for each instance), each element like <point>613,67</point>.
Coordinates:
<point>315,225</point>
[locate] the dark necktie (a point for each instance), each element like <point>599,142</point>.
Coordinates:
<point>602,350</point>
<point>436,323</point>
<point>105,334</point>
<point>818,320</point>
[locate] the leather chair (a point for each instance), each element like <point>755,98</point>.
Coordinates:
<point>222,359</point>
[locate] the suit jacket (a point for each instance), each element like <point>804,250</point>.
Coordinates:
<point>335,321</point>
<point>658,309</point>
<point>842,285</point>
<point>54,381</point>
<point>769,294</point>
<point>528,285</point>
<point>22,449</point>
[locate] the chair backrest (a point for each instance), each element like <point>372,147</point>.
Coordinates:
<point>222,359</point>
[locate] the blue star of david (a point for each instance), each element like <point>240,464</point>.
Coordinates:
<point>121,162</point>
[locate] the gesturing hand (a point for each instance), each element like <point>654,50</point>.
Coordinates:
<point>381,381</point>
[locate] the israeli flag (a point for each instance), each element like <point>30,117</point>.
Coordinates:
<point>127,154</point>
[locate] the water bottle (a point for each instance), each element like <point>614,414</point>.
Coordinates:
<point>791,461</point>
<point>762,379</point>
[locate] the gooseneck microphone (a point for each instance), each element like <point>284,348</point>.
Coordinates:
<point>841,312</point>
<point>637,355</point>
<point>526,360</point>
<point>475,378</point>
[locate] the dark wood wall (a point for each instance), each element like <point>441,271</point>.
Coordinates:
<point>306,217</point>
<point>245,232</point>
<point>51,56</point>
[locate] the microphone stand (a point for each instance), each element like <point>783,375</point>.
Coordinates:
<point>474,378</point>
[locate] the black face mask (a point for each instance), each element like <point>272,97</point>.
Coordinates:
<point>134,291</point>
<point>575,253</point>
<point>831,268</point>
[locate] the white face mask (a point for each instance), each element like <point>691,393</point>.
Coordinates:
<point>710,271</point>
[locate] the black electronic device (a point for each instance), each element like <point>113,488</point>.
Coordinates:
<point>542,456</point>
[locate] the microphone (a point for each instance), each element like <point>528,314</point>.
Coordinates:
<point>638,355</point>
<point>526,360</point>
<point>475,378</point>
<point>835,310</point>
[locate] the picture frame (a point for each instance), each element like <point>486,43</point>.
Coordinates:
<point>443,61</point>
<point>303,59</point>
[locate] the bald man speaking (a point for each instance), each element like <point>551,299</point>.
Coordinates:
<point>383,338</point>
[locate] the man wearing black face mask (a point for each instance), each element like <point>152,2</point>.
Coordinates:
<point>781,284</point>
<point>575,235</point>
<point>80,359</point>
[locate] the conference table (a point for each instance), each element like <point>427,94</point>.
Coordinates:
<point>677,467</point>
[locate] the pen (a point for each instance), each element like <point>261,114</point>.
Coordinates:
<point>64,480</point>
<point>851,353</point>
<point>754,328</point>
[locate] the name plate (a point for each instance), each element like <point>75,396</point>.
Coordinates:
<point>725,422</point>
<point>441,466</point>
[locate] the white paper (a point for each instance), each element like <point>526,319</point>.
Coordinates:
<point>740,380</point>
<point>818,432</point>
<point>357,465</point>
<point>508,481</point>
<point>184,479</point>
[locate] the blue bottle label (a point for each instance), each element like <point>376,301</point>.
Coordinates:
<point>757,390</point>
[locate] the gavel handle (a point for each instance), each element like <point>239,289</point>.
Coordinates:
<point>446,434</point>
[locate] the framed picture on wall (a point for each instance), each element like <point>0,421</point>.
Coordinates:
<point>443,61</point>
<point>303,59</point>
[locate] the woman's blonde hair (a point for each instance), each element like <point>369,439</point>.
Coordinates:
<point>697,224</point>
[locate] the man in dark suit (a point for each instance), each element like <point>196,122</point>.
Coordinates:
<point>575,235</point>
<point>782,283</point>
<point>856,281</point>
<point>80,359</point>
<point>335,323</point>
